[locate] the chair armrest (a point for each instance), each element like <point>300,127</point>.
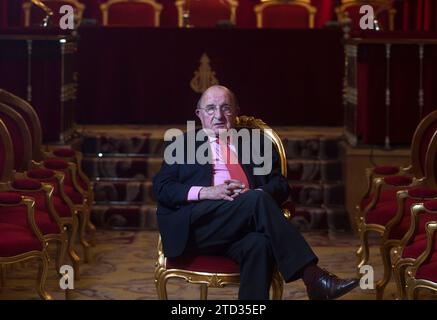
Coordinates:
<point>381,171</point>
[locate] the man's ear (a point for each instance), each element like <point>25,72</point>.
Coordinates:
<point>197,113</point>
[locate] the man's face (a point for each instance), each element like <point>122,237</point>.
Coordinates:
<point>217,110</point>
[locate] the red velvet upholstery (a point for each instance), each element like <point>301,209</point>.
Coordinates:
<point>131,14</point>
<point>428,271</point>
<point>15,240</point>
<point>214,264</point>
<point>422,193</point>
<point>207,13</point>
<point>18,216</point>
<point>430,205</point>
<point>398,180</point>
<point>285,16</point>
<point>9,198</point>
<point>26,184</point>
<point>64,152</point>
<point>386,195</point>
<point>386,170</point>
<point>55,164</point>
<point>41,174</point>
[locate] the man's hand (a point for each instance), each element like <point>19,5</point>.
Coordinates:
<point>226,191</point>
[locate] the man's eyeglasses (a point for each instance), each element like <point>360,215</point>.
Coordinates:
<point>210,110</point>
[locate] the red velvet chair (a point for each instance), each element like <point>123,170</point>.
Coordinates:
<point>77,185</point>
<point>56,212</point>
<point>206,13</point>
<point>385,209</point>
<point>383,9</point>
<point>285,14</point>
<point>19,244</point>
<point>416,267</point>
<point>34,15</point>
<point>414,242</point>
<point>217,271</point>
<point>138,13</point>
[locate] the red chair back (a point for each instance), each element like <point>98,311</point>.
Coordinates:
<point>6,154</point>
<point>421,143</point>
<point>29,115</point>
<point>206,13</point>
<point>134,13</point>
<point>20,135</point>
<point>279,14</point>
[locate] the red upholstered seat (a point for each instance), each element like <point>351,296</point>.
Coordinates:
<point>41,174</point>
<point>18,216</point>
<point>15,240</point>
<point>26,184</point>
<point>64,152</point>
<point>55,164</point>
<point>428,271</point>
<point>10,198</point>
<point>398,180</point>
<point>213,264</point>
<point>131,14</point>
<point>207,13</point>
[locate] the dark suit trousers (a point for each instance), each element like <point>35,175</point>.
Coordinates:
<point>253,232</point>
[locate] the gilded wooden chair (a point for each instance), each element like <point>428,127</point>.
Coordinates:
<point>49,204</point>
<point>385,208</point>
<point>206,13</point>
<point>33,11</point>
<point>419,265</point>
<point>77,185</point>
<point>285,14</point>
<point>19,244</point>
<point>383,9</point>
<point>144,13</point>
<point>217,271</point>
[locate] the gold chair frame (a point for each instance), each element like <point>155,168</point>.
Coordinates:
<point>412,283</point>
<point>180,5</point>
<point>81,212</point>
<point>27,6</point>
<point>386,5</point>
<point>104,8</point>
<point>422,177</point>
<point>42,255</point>
<point>259,8</point>
<point>219,280</point>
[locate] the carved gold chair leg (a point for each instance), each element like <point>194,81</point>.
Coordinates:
<point>203,291</point>
<point>62,247</point>
<point>399,275</point>
<point>385,251</point>
<point>412,291</point>
<point>75,259</point>
<point>91,228</point>
<point>161,287</point>
<point>82,235</point>
<point>42,276</point>
<point>363,251</point>
<point>277,286</point>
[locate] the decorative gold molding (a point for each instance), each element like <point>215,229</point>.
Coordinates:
<point>204,77</point>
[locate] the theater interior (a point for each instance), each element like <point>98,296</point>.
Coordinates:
<point>88,89</point>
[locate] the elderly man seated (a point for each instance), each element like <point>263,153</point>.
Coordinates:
<point>230,206</point>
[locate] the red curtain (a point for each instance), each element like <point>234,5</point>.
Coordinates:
<point>419,15</point>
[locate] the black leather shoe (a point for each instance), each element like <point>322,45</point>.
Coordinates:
<point>329,287</point>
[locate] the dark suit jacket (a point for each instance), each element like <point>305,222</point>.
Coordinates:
<point>171,186</point>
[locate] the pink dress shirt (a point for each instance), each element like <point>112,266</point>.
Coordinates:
<point>220,172</point>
